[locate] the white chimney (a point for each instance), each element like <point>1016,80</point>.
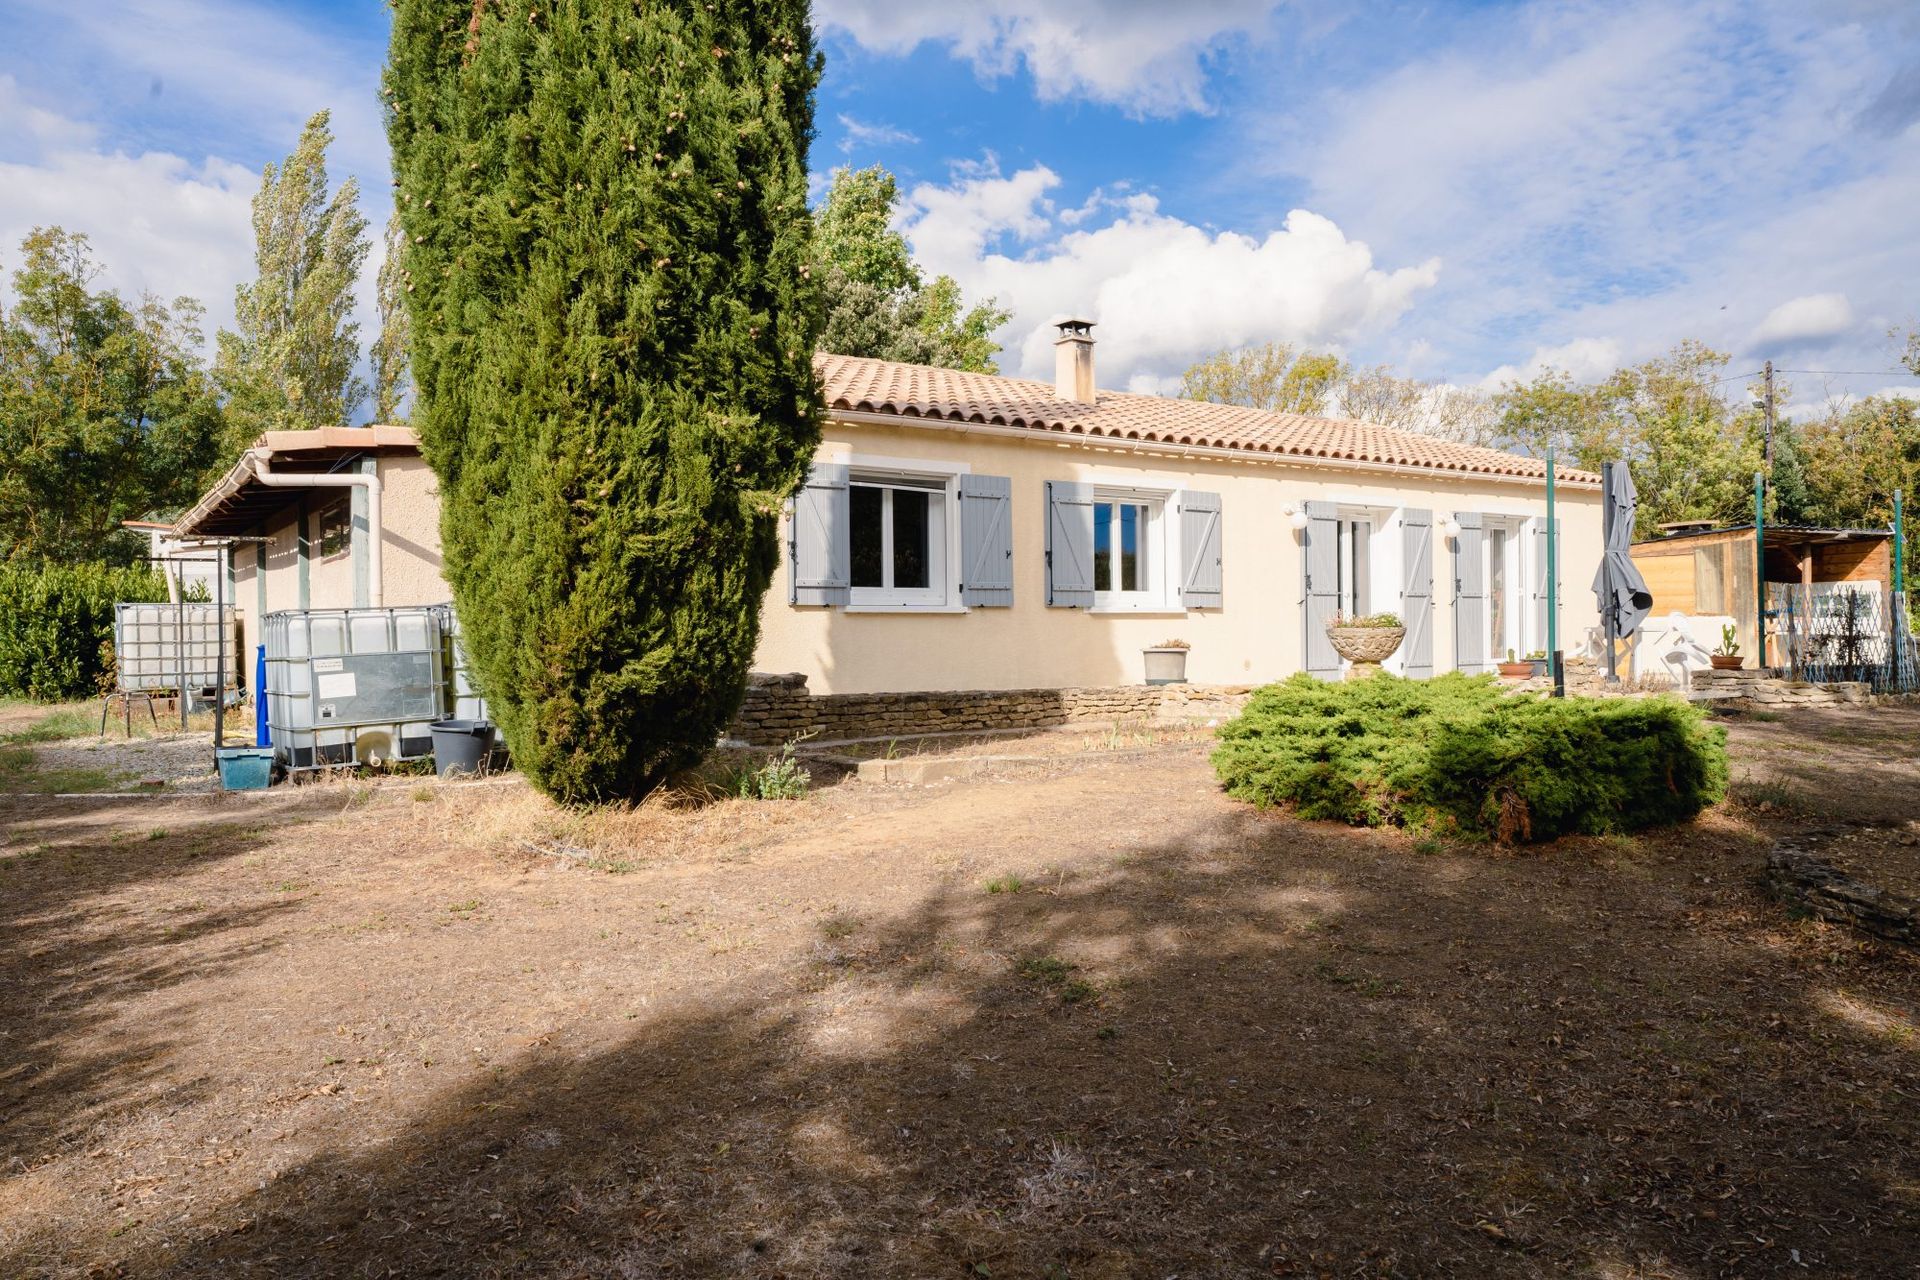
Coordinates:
<point>1073,361</point>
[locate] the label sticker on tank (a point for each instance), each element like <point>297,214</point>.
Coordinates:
<point>329,664</point>
<point>340,684</point>
<point>326,711</point>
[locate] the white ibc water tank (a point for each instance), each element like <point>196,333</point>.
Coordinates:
<point>353,686</point>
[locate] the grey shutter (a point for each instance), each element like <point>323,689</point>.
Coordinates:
<point>986,541</point>
<point>1321,547</point>
<point>1069,545</point>
<point>1539,640</point>
<point>1469,594</point>
<point>1416,592</point>
<point>1201,583</point>
<point>819,549</point>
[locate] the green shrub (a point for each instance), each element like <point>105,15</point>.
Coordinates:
<point>1456,756</point>
<point>56,625</point>
<point>781,777</point>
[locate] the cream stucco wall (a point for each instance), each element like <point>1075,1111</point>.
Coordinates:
<point>409,546</point>
<point>1255,637</point>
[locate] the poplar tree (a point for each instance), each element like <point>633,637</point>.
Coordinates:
<point>389,353</point>
<point>614,320</point>
<point>291,363</point>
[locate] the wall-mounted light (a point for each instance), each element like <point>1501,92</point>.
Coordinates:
<point>1297,518</point>
<point>1449,527</point>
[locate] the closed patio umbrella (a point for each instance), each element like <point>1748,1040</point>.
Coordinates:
<point>1624,599</point>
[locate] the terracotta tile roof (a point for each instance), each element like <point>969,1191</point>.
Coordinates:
<point>910,391</point>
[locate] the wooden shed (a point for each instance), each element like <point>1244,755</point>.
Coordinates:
<point>1708,572</point>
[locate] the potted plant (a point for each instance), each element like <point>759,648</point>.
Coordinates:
<point>1365,641</point>
<point>1166,662</point>
<point>1515,670</point>
<point>1538,661</point>
<point>1727,656</point>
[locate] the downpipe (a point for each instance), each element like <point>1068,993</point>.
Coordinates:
<point>264,473</point>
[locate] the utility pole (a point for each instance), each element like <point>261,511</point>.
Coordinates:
<point>1770,418</point>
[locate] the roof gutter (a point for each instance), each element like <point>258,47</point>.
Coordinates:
<point>1032,434</point>
<point>261,460</point>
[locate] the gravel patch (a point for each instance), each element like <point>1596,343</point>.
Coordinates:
<point>183,762</point>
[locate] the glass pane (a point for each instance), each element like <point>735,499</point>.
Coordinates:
<point>866,502</point>
<point>1103,547</point>
<point>910,544</point>
<point>1497,592</point>
<point>1362,577</point>
<point>1132,566</point>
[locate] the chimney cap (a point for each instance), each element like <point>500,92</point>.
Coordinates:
<point>1074,328</point>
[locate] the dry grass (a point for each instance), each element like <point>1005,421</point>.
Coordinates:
<point>364,1028</point>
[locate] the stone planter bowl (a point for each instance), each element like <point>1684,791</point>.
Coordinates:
<point>1366,645</point>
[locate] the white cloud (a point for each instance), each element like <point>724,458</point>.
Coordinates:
<point>1148,57</point>
<point>862,134</point>
<point>1165,292</point>
<point>1583,359</point>
<point>1810,318</point>
<point>1648,172</point>
<point>158,222</point>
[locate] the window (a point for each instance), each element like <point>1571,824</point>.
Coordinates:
<point>1505,601</point>
<point>1354,569</point>
<point>898,540</point>
<point>1128,551</point>
<point>336,530</point>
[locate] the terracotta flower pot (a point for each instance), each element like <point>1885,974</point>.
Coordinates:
<point>1516,670</point>
<point>1726,661</point>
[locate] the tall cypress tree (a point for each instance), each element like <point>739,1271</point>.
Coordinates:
<point>613,327</point>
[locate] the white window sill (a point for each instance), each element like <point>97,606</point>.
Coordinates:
<point>904,608</point>
<point>1140,610</point>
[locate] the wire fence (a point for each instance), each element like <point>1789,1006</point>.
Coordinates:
<point>1834,631</point>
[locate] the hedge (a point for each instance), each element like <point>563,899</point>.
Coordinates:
<point>56,625</point>
<point>1459,756</point>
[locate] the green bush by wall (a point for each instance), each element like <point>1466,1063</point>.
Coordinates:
<point>1459,756</point>
<point>56,625</point>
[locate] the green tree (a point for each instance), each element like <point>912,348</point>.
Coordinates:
<point>1549,412</point>
<point>614,317</point>
<point>878,304</point>
<point>1273,376</point>
<point>291,364</point>
<point>1857,458</point>
<point>389,353</point>
<point>106,409</point>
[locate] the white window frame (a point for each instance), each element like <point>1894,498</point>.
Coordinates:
<point>941,482</point>
<point>1161,540</point>
<point>1519,592</point>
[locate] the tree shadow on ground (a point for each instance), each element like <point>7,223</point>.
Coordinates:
<point>1259,1047</point>
<point>77,958</point>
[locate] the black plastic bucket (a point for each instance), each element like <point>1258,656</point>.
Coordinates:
<point>461,747</point>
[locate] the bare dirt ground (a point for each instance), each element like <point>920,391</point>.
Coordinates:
<point>350,1030</point>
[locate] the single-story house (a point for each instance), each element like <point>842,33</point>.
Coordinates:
<point>962,531</point>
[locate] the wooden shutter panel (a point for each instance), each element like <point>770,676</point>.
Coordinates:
<point>1069,545</point>
<point>819,548</point>
<point>1201,580</point>
<point>1416,592</point>
<point>1539,638</point>
<point>1469,594</point>
<point>986,541</point>
<point>1321,549</point>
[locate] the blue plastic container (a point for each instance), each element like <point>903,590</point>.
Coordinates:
<point>244,768</point>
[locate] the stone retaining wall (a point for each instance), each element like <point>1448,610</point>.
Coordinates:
<point>1746,688</point>
<point>778,709</point>
<point>1828,893</point>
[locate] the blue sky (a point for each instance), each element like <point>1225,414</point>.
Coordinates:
<point>1465,191</point>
